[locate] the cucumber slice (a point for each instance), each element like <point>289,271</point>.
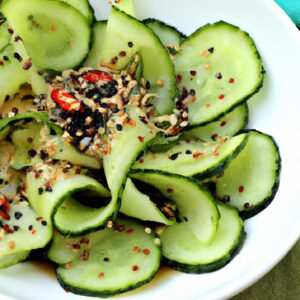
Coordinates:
<point>113,262</point>
<point>51,204</point>
<point>44,117</point>
<point>31,234</point>
<point>192,200</point>
<point>61,30</point>
<point>124,33</point>
<point>138,205</point>
<point>228,70</point>
<point>229,125</point>
<point>42,140</point>
<point>12,75</point>
<point>168,35</point>
<point>4,35</point>
<point>251,181</point>
<point>183,252</point>
<point>99,30</point>
<point>199,159</point>
<point>10,260</point>
<point>84,7</point>
<point>126,147</point>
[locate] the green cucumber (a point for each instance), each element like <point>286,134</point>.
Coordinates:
<point>221,64</point>
<point>42,140</point>
<point>99,30</point>
<point>183,252</point>
<point>50,204</point>
<point>126,147</point>
<point>124,33</point>
<point>138,205</point>
<point>10,260</point>
<point>228,125</point>
<point>199,159</point>
<point>194,203</point>
<point>109,262</point>
<point>12,75</point>
<point>84,7</point>
<point>61,31</point>
<point>169,35</point>
<point>251,181</point>
<point>31,234</point>
<point>44,117</point>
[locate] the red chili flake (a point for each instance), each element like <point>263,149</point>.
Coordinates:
<point>53,27</point>
<point>221,96</point>
<point>135,268</point>
<point>6,228</point>
<point>122,53</point>
<point>22,172</point>
<point>196,155</point>
<point>170,190</point>
<point>84,241</point>
<point>39,218</point>
<point>241,188</point>
<point>101,275</point>
<point>141,161</point>
<point>214,136</point>
<point>96,75</point>
<point>231,80</point>
<point>10,31</point>
<point>24,185</point>
<point>136,249</point>
<point>56,232</point>
<point>179,78</point>
<point>207,105</point>
<point>12,245</point>
<point>130,230</point>
<point>36,175</point>
<point>86,255</point>
<point>66,101</point>
<point>141,138</point>
<point>33,231</point>
<point>77,171</point>
<point>146,251</point>
<point>1,62</point>
<point>121,228</point>
<point>4,208</point>
<point>223,123</point>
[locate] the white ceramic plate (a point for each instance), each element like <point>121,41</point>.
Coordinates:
<point>276,110</point>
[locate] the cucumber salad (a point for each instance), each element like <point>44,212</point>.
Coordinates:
<point>124,144</point>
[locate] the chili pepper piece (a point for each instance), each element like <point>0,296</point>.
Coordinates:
<point>96,75</point>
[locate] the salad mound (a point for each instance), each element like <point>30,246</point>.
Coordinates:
<point>124,144</point>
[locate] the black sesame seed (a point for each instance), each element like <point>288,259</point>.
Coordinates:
<point>211,49</point>
<point>218,75</point>
<point>192,92</point>
<point>48,79</point>
<point>30,140</point>
<point>122,53</point>
<point>130,44</point>
<point>40,190</point>
<point>115,110</point>
<point>246,205</point>
<point>44,223</point>
<point>148,85</point>
<point>10,31</point>
<point>30,227</point>
<point>226,199</point>
<point>18,215</point>
<point>174,156</point>
<point>6,98</point>
<point>18,57</point>
<point>188,152</point>
<point>1,180</point>
<point>15,110</point>
<point>16,228</point>
<point>42,96</point>
<point>106,259</point>
<point>32,153</point>
<point>27,97</point>
<point>5,58</point>
<point>17,38</point>
<point>44,154</point>
<point>49,189</point>
<point>119,127</point>
<point>214,136</point>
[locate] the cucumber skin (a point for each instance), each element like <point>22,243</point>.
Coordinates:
<point>253,211</point>
<point>213,171</point>
<point>199,269</point>
<point>163,24</point>
<point>105,294</point>
<point>30,115</point>
<point>253,92</point>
